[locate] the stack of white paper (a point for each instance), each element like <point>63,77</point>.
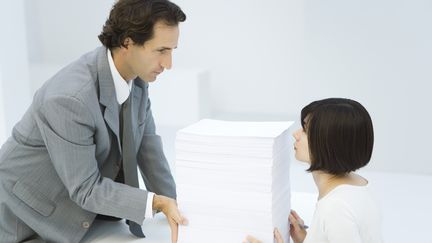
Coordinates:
<point>233,180</point>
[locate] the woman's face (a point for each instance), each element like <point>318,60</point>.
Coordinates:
<point>301,146</point>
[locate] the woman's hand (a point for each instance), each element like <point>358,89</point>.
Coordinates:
<point>251,239</point>
<point>297,231</point>
<point>277,235</point>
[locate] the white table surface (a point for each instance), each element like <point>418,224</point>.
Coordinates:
<point>406,204</point>
<point>157,230</point>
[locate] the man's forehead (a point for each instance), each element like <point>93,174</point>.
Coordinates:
<point>164,36</point>
<point>161,27</point>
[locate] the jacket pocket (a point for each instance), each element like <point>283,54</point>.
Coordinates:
<point>34,198</point>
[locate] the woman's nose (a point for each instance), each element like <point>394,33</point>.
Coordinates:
<point>296,134</point>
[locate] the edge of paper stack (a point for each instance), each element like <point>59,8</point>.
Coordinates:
<point>233,180</point>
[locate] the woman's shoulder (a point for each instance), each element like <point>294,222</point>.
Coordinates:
<point>347,192</point>
<point>351,200</point>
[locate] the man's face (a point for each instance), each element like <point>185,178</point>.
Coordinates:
<point>149,60</point>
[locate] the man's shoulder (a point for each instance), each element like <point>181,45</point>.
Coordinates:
<point>84,69</point>
<point>77,79</point>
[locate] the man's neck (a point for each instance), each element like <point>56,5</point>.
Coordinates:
<point>120,63</point>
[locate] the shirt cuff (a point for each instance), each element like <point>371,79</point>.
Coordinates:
<point>149,208</point>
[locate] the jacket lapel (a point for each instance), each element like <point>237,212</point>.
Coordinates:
<point>107,94</point>
<point>137,109</point>
<point>141,97</point>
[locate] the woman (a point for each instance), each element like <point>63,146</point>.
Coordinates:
<point>336,139</point>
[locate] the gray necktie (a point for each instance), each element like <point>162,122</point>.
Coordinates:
<point>129,157</point>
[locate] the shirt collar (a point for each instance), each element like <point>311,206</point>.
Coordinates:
<point>121,86</point>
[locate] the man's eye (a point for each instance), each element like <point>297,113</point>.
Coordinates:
<point>162,51</point>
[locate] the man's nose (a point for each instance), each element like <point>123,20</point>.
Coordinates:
<point>167,61</point>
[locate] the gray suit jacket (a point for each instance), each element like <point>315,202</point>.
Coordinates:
<point>57,168</point>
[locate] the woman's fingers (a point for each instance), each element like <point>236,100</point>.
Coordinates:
<point>294,213</point>
<point>294,222</point>
<point>297,217</point>
<point>278,236</point>
<point>251,239</point>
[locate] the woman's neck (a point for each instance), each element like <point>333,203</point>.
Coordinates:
<point>326,182</point>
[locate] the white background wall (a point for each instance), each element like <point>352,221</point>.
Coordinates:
<point>268,59</point>
<point>2,116</point>
<point>378,52</point>
<point>15,88</point>
<point>273,57</point>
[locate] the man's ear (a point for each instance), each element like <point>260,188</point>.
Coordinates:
<point>127,42</point>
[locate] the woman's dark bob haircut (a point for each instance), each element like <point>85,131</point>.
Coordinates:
<point>340,135</point>
<point>136,18</point>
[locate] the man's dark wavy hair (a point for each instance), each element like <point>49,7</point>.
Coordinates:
<point>136,18</point>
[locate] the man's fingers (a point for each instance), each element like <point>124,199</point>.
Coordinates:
<point>169,207</point>
<point>174,220</point>
<point>184,221</point>
<point>181,220</point>
<point>174,230</point>
<point>178,218</point>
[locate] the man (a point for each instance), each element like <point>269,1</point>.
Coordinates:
<point>74,154</point>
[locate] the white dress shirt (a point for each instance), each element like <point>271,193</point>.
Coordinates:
<point>122,90</point>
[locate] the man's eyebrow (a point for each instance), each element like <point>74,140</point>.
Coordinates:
<point>166,48</point>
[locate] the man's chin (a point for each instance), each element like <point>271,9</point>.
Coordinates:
<point>149,79</point>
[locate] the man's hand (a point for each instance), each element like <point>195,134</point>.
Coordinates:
<point>169,207</point>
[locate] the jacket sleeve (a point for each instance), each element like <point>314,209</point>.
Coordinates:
<point>68,129</point>
<point>152,162</point>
